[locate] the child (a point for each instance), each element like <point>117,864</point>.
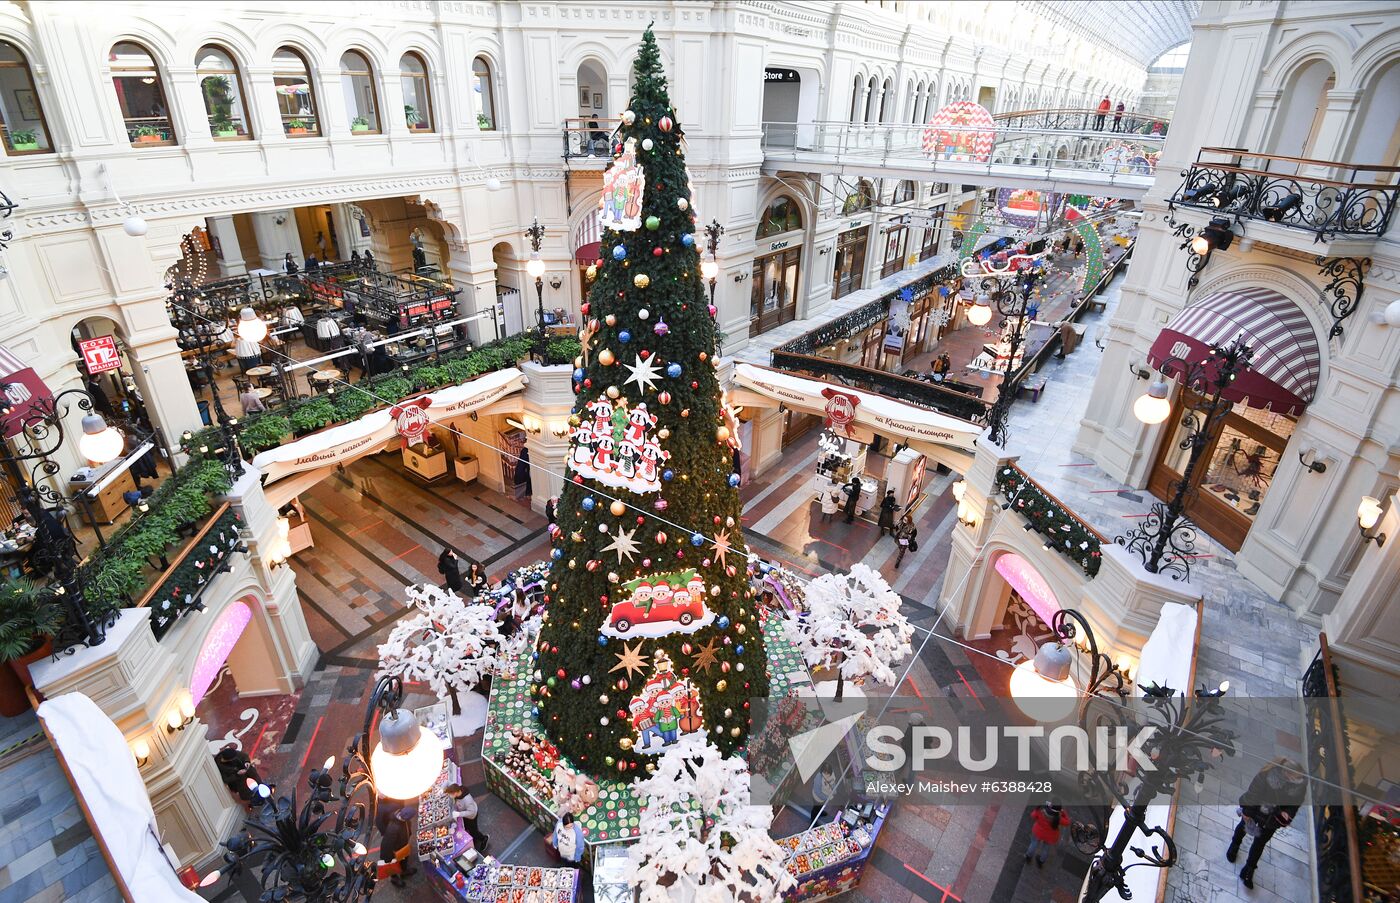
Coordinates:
<point>1046,824</point>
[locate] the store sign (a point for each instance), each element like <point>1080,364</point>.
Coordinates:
<point>23,389</point>
<point>411,419</point>
<point>100,354</point>
<point>779,245</point>
<point>420,309</point>
<point>840,409</point>
<point>781,75</point>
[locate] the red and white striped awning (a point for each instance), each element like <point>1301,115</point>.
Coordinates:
<point>1287,360</point>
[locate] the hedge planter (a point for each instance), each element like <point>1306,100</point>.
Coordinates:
<point>15,679</point>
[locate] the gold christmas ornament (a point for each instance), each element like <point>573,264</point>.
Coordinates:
<point>592,272</point>
<point>613,392</point>
<point>641,280</point>
<point>722,434</point>
<point>617,508</point>
<point>625,743</point>
<point>606,357</point>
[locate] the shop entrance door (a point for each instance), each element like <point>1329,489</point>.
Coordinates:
<point>773,301</point>
<point>849,275</point>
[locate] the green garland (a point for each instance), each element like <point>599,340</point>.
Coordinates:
<point>1067,534</point>
<point>259,432</point>
<point>181,587</point>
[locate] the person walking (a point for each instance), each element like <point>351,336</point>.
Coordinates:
<point>907,535</point>
<point>396,846</point>
<point>1118,116</point>
<point>888,506</point>
<point>941,365</point>
<point>464,807</point>
<point>830,505</point>
<point>1047,823</point>
<point>853,489</point>
<point>1104,106</point>
<point>449,566</point>
<point>1270,803</point>
<point>568,838</point>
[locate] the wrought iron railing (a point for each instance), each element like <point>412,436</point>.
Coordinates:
<point>1323,197</point>
<point>1064,531</point>
<point>589,137</point>
<point>1339,878</point>
<point>1131,122</point>
<point>891,385</point>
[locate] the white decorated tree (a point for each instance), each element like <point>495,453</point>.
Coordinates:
<point>700,840</point>
<point>853,624</point>
<point>450,644</point>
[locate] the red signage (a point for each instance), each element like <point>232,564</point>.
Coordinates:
<point>411,419</point>
<point>100,354</point>
<point>840,409</point>
<point>22,389</point>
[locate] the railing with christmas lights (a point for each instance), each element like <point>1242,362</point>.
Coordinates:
<point>1335,834</point>
<point>181,587</point>
<point>1064,531</point>
<point>1327,198</point>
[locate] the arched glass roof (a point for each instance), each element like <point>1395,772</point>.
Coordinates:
<point>1141,29</point>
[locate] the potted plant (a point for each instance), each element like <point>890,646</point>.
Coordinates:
<point>223,128</point>
<point>482,122</point>
<point>410,113</point>
<point>148,134</point>
<point>359,124</point>
<point>29,617</point>
<point>296,127</point>
<point>24,140</point>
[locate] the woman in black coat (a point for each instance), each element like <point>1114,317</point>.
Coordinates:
<point>888,506</point>
<point>476,578</point>
<point>1270,803</point>
<point>450,568</point>
<point>852,498</point>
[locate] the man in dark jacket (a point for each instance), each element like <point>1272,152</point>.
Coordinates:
<point>888,506</point>
<point>1270,803</point>
<point>395,842</point>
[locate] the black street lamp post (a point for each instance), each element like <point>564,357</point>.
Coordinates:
<point>1166,532</point>
<point>1188,737</point>
<point>1010,296</point>
<point>55,548</point>
<point>307,853</point>
<point>709,269</point>
<point>534,267</point>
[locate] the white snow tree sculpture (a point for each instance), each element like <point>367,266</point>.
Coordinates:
<point>700,839</point>
<point>450,645</point>
<point>853,624</point>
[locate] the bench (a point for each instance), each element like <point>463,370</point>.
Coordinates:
<point>1033,386</point>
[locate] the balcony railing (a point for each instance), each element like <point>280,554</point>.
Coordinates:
<point>180,589</point>
<point>1339,877</point>
<point>1130,122</point>
<point>1326,198</point>
<point>1064,531</point>
<point>589,137</point>
<point>891,385</point>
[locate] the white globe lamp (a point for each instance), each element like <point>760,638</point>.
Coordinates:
<point>251,327</point>
<point>534,266</point>
<point>980,313</point>
<point>406,760</point>
<point>99,443</point>
<point>1043,688</point>
<point>135,226</point>
<point>1153,407</point>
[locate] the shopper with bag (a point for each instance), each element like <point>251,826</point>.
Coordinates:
<point>830,505</point>
<point>1270,803</point>
<point>907,536</point>
<point>396,846</point>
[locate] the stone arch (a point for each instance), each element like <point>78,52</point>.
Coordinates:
<point>238,633</point>
<point>1301,104</point>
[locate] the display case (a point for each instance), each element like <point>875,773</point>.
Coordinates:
<point>473,880</point>
<point>611,868</point>
<point>830,859</point>
<point>427,463</point>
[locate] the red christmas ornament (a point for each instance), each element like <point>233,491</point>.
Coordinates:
<point>664,397</point>
<point>657,252</point>
<point>665,123</point>
<point>583,309</point>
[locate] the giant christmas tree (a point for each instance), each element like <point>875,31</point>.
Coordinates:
<point>651,630</point>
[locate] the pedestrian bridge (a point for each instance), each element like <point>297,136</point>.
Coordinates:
<point>1052,150</point>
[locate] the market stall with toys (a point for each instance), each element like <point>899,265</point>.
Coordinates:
<point>830,858</point>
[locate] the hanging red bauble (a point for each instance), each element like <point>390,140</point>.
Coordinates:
<point>665,123</point>
<point>657,252</point>
<point>664,397</point>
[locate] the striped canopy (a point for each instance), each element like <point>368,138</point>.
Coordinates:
<point>1287,361</point>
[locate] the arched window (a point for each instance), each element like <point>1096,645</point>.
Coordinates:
<point>781,216</point>
<point>859,199</point>
<point>855,98</point>
<point>417,104</point>
<point>222,88</point>
<point>296,95</point>
<point>916,103</point>
<point>361,100</point>
<point>485,95</point>
<point>141,96</point>
<point>21,115</point>
<point>886,100</point>
<point>872,99</point>
<point>904,191</point>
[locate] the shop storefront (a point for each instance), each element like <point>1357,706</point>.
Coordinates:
<point>1237,466</point>
<point>932,233</point>
<point>775,277</point>
<point>896,238</point>
<point>849,274</point>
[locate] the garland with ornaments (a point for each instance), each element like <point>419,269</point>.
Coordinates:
<point>1064,532</point>
<point>182,588</point>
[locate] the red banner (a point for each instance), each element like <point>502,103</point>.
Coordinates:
<point>100,354</point>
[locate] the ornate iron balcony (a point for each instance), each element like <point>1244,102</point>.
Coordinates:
<point>1326,198</point>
